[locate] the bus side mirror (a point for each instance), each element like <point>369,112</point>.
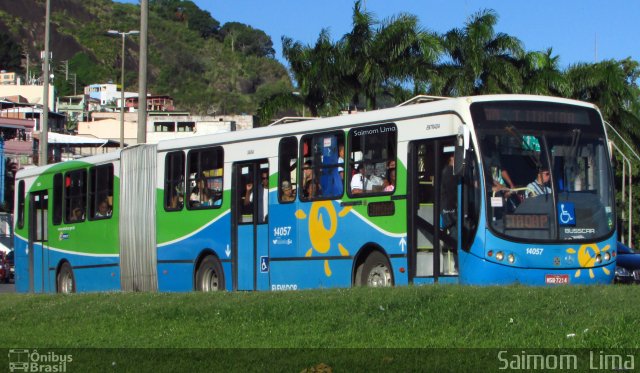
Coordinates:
<point>460,152</point>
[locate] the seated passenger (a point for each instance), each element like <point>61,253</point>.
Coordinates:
<point>309,188</point>
<point>287,192</point>
<point>104,210</point>
<point>216,192</point>
<point>76,214</point>
<point>200,194</point>
<point>358,181</point>
<point>540,185</point>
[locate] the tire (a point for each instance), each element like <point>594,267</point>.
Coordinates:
<point>376,271</point>
<point>65,281</point>
<point>209,276</point>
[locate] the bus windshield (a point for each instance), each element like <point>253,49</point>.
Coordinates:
<point>547,172</point>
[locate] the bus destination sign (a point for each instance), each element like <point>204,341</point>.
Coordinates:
<point>526,221</point>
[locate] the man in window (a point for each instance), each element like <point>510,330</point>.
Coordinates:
<point>358,180</point>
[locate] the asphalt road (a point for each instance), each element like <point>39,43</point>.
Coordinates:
<point>7,288</point>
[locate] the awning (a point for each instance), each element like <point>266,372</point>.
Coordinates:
<point>77,141</point>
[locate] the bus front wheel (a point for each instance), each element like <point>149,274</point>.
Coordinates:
<point>376,271</point>
<point>65,282</point>
<point>209,276</point>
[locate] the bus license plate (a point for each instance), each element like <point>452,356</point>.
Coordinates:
<point>556,279</point>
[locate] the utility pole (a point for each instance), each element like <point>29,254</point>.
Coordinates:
<point>66,69</point>
<point>142,73</point>
<point>123,35</point>
<point>27,78</point>
<point>44,127</point>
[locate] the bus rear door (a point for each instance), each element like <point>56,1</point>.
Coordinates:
<point>250,214</point>
<point>38,242</point>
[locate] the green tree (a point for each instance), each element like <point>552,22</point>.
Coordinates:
<point>541,74</point>
<point>378,57</point>
<point>10,54</point>
<point>316,74</point>
<point>611,85</point>
<point>247,40</point>
<point>480,61</point>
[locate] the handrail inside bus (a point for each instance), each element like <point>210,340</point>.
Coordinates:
<point>421,99</point>
<point>290,120</point>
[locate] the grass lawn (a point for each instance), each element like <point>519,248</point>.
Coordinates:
<point>358,320</point>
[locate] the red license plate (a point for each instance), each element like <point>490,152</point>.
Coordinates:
<point>556,279</point>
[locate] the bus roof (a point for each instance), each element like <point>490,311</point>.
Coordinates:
<point>345,121</point>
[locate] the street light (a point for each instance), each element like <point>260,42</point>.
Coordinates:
<point>124,34</point>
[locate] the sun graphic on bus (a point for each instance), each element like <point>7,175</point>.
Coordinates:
<point>587,257</point>
<point>320,234</point>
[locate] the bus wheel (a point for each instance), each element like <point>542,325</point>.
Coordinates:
<point>65,282</point>
<point>376,271</point>
<point>209,276</point>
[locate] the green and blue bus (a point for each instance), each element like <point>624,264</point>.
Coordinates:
<point>434,191</point>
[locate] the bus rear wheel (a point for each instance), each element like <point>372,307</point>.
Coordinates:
<point>65,282</point>
<point>209,276</point>
<point>376,271</point>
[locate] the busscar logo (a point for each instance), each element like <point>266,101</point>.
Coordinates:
<point>24,360</point>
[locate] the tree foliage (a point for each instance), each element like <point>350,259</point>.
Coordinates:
<point>10,54</point>
<point>247,40</point>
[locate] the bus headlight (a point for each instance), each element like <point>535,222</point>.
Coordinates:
<point>607,256</point>
<point>599,258</point>
<point>511,258</point>
<point>500,255</point>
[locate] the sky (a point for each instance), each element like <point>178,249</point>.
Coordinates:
<point>577,30</point>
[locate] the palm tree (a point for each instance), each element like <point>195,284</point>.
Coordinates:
<point>317,75</point>
<point>480,61</point>
<point>379,57</point>
<point>611,86</point>
<point>541,74</point>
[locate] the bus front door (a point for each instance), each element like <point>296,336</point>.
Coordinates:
<point>250,214</point>
<point>432,201</point>
<point>38,253</point>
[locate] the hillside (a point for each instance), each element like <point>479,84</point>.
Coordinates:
<point>204,72</point>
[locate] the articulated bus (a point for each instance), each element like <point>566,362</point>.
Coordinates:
<point>474,190</point>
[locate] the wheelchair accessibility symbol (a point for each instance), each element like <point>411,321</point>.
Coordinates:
<point>264,264</point>
<point>566,213</point>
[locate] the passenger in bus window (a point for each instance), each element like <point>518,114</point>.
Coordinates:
<point>263,197</point>
<point>390,177</point>
<point>341,160</point>
<point>104,210</point>
<point>308,187</point>
<point>200,194</point>
<point>76,215</point>
<point>312,190</point>
<point>358,181</point>
<point>287,192</point>
<point>177,199</point>
<point>500,177</point>
<point>216,191</point>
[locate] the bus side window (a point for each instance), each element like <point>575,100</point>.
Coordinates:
<point>287,166</point>
<point>57,199</point>
<point>372,160</point>
<point>174,185</point>
<point>101,192</point>
<point>75,196</point>
<point>321,166</point>
<point>205,180</point>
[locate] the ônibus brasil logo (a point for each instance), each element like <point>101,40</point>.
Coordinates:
<point>25,360</point>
